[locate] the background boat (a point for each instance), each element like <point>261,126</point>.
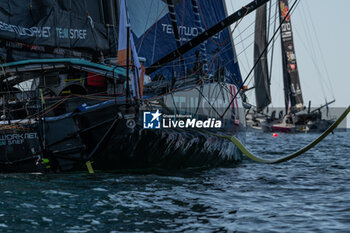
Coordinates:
<point>295,117</point>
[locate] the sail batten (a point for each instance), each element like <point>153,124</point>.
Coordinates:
<point>261,78</point>
<point>171,8</point>
<point>198,23</point>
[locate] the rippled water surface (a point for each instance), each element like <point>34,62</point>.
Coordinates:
<point>308,194</point>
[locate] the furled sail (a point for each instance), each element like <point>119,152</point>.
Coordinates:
<point>262,85</point>
<point>154,35</point>
<point>293,95</point>
<point>60,28</point>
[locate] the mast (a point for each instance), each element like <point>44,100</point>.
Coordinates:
<point>206,35</point>
<point>261,77</point>
<point>110,12</point>
<point>111,18</point>
<point>292,89</point>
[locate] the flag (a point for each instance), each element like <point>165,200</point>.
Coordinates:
<point>122,44</point>
<point>137,76</point>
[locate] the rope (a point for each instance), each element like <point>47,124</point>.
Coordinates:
<point>255,158</point>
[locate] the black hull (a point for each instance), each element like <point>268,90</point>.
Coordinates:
<point>109,137</point>
<point>62,143</point>
<point>167,149</point>
<point>18,153</point>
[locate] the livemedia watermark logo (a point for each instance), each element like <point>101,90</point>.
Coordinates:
<point>151,120</point>
<point>156,120</point>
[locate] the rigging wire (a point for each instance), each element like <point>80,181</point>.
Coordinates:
<point>145,28</point>
<point>206,27</point>
<point>320,50</point>
<point>202,79</point>
<point>219,49</point>
<point>251,43</point>
<point>256,63</point>
<point>149,29</point>
<point>310,48</point>
<point>227,47</point>
<point>59,103</point>
<point>242,40</point>
<point>277,81</point>
<point>215,41</point>
<point>304,44</point>
<point>273,45</point>
<point>268,23</point>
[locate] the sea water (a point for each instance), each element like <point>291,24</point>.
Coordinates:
<point>308,194</point>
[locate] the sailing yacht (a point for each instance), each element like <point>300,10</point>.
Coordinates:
<point>294,119</point>
<point>74,94</point>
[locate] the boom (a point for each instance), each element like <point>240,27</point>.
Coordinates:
<point>206,35</point>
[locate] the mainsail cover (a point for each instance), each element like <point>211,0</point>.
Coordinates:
<point>53,26</point>
<point>262,85</point>
<point>293,95</point>
<point>154,35</point>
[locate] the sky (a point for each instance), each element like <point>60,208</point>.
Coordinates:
<point>322,47</point>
